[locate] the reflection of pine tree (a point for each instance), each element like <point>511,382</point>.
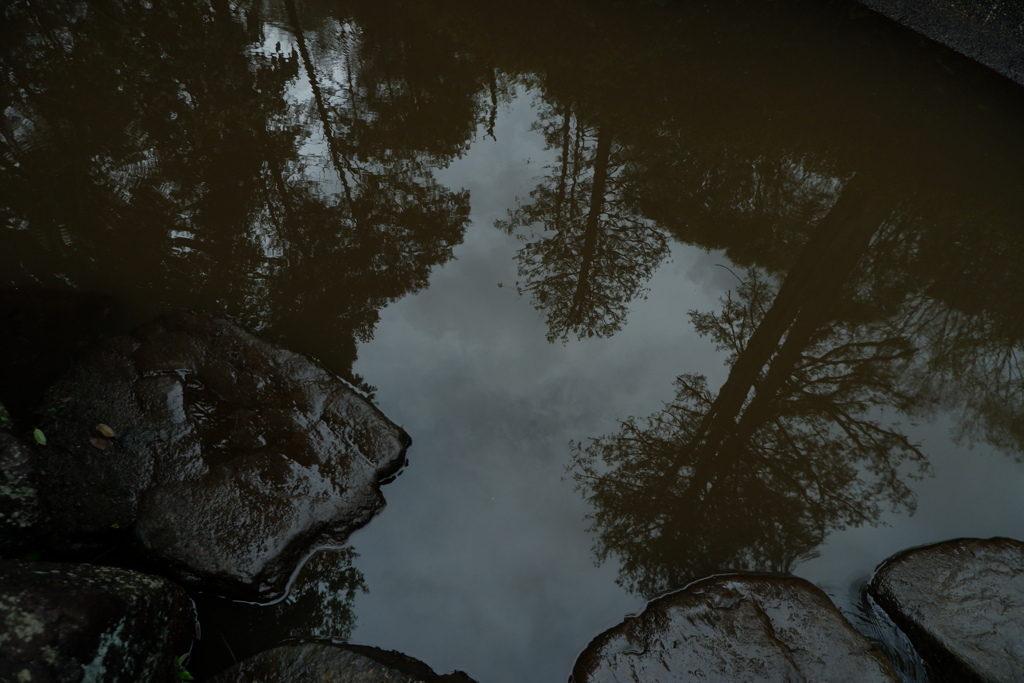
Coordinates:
<point>791,446</point>
<point>200,168</point>
<point>587,256</point>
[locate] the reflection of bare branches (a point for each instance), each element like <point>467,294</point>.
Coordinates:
<point>806,457</point>
<point>967,326</point>
<point>972,367</point>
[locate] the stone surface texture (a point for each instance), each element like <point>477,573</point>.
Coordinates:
<point>961,604</point>
<point>735,628</point>
<point>990,32</point>
<point>329,663</point>
<point>20,511</point>
<point>232,457</point>
<point>62,623</point>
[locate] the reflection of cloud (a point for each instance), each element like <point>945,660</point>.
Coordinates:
<point>482,540</point>
<point>712,272</point>
<point>494,173</point>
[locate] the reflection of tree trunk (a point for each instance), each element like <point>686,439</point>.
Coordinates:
<point>222,12</point>
<point>492,83</point>
<point>564,175</point>
<point>333,147</point>
<point>577,164</point>
<point>801,307</point>
<point>590,235</point>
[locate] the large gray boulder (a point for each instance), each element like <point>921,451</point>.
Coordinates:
<point>742,627</point>
<point>334,663</point>
<point>64,623</point>
<point>961,604</point>
<point>231,457</point>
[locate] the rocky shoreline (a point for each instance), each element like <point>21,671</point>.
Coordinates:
<point>958,602</point>
<point>223,461</point>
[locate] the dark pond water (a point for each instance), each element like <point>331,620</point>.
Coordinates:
<point>659,290</point>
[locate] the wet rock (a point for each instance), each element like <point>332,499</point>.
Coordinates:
<point>990,32</point>
<point>961,604</point>
<point>231,457</point>
<point>330,663</point>
<point>6,423</point>
<point>20,511</point>
<point>735,628</point>
<point>62,623</point>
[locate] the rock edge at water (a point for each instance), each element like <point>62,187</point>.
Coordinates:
<point>232,457</point>
<point>738,627</point>
<point>334,663</point>
<point>961,603</point>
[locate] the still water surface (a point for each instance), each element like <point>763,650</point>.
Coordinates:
<point>659,290</point>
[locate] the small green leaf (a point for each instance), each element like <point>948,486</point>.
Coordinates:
<point>183,674</point>
<point>40,438</point>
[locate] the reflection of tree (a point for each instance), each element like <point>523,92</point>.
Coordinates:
<point>586,255</point>
<point>790,447</point>
<point>319,605</point>
<point>961,295</point>
<point>198,167</point>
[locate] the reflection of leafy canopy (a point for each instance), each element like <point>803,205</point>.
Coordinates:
<point>587,256</point>
<point>199,168</point>
<point>799,459</point>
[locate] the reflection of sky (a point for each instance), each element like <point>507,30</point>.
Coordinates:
<point>975,492</point>
<point>481,560</point>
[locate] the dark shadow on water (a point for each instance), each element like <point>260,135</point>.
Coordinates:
<point>319,605</point>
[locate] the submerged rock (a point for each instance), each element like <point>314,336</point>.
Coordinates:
<point>961,604</point>
<point>735,628</point>
<point>231,457</point>
<point>334,663</point>
<point>62,623</point>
